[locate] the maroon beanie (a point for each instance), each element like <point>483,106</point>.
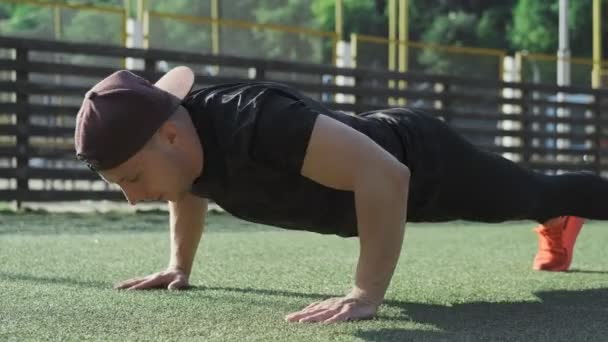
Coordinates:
<point>122,112</point>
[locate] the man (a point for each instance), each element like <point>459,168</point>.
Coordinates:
<point>268,154</point>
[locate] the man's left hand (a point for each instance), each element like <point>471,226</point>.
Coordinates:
<point>335,310</point>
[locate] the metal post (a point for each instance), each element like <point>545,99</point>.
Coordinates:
<point>403,42</point>
<point>215,27</point>
<point>597,133</point>
<point>353,49</point>
<point>392,38</point>
<point>140,10</point>
<point>563,54</point>
<point>143,16</point>
<point>339,19</point>
<point>597,44</point>
<point>22,130</point>
<point>57,21</point>
<point>563,74</point>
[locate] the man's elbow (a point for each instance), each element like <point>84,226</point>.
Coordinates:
<point>399,177</point>
<point>403,174</point>
<point>386,179</point>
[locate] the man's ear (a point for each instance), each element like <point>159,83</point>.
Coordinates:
<point>168,132</point>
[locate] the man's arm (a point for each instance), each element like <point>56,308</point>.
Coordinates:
<point>186,221</point>
<point>345,159</point>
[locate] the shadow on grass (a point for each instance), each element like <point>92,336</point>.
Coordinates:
<point>53,280</point>
<point>587,271</point>
<point>558,315</point>
<point>282,293</point>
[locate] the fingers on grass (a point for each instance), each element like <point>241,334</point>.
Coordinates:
<point>296,316</point>
<point>127,283</point>
<point>312,305</point>
<point>149,283</point>
<point>320,316</point>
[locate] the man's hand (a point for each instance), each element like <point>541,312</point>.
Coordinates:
<point>172,279</point>
<point>335,310</point>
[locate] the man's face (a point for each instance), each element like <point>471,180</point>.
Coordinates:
<point>159,171</point>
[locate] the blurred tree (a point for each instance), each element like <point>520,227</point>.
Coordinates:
<point>166,33</point>
<point>85,26</point>
<point>467,23</point>
<point>288,46</point>
<point>360,16</point>
<point>535,26</point>
<point>26,21</point>
<point>454,28</point>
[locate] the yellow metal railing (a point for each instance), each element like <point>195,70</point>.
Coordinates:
<point>406,57</point>
<point>496,54</point>
<point>538,67</point>
<point>232,23</point>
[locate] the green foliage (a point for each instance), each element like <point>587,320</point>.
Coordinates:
<point>492,26</point>
<point>27,21</point>
<point>87,26</point>
<point>287,46</point>
<point>175,35</point>
<point>360,16</point>
<point>455,28</point>
<point>535,26</point>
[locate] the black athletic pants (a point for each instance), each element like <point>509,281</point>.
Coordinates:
<point>482,186</point>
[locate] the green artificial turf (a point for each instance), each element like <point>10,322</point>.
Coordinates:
<point>454,282</point>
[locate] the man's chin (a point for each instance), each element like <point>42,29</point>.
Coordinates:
<point>175,197</point>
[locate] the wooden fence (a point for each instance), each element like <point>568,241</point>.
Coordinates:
<point>544,127</point>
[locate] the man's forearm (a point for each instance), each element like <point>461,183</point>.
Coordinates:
<point>381,204</point>
<point>186,220</point>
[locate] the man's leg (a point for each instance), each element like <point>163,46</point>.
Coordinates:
<point>482,186</point>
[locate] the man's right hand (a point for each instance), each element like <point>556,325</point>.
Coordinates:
<point>172,279</point>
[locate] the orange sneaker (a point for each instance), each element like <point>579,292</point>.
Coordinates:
<point>556,239</point>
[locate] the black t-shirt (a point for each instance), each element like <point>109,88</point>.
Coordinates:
<point>254,138</point>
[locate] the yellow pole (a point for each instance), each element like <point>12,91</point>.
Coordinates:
<point>353,49</point>
<point>339,19</point>
<point>392,38</point>
<point>57,21</point>
<point>140,10</point>
<point>597,44</point>
<point>403,41</point>
<point>143,13</point>
<point>215,27</point>
<point>125,17</point>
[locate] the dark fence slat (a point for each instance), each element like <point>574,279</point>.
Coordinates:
<point>47,173</point>
<point>41,88</point>
<point>8,172</point>
<point>37,109</point>
<point>561,166</point>
<point>521,133</point>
